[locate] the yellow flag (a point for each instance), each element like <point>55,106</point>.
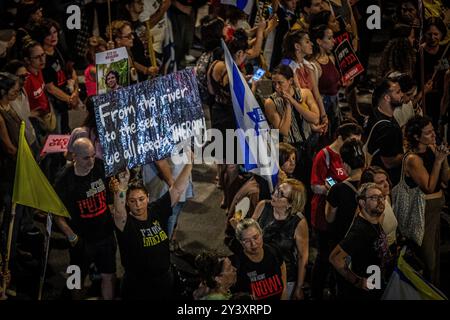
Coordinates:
<point>31,187</point>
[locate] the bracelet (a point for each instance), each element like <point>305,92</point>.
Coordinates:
<point>72,238</point>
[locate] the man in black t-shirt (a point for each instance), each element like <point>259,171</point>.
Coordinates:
<point>386,141</point>
<point>363,250</point>
<point>142,234</point>
<point>84,191</point>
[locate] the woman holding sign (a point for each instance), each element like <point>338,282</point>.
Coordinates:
<point>142,234</point>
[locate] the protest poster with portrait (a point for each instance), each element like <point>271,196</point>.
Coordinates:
<point>112,70</point>
<point>144,122</point>
<point>348,61</point>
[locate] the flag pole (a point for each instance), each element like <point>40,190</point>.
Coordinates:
<point>421,56</point>
<point>47,249</point>
<point>6,272</point>
<point>151,51</point>
<point>109,20</point>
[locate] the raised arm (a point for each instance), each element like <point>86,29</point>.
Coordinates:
<point>181,182</point>
<point>255,50</point>
<point>282,123</point>
<point>164,171</point>
<point>119,187</point>
<point>417,171</point>
<point>311,114</point>
<point>157,16</point>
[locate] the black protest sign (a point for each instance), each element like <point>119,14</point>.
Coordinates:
<point>348,61</point>
<point>143,123</point>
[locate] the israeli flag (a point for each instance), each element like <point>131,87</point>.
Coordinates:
<point>244,5</point>
<point>258,143</point>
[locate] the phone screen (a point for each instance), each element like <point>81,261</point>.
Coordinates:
<point>258,74</point>
<point>331,181</point>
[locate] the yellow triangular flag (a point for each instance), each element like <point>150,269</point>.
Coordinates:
<point>31,187</point>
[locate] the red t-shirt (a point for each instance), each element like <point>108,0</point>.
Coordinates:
<point>35,89</point>
<point>320,171</point>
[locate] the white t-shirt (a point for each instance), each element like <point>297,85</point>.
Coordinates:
<point>390,223</point>
<point>157,187</point>
<point>404,113</point>
<point>159,30</point>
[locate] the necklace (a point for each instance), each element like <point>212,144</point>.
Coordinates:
<point>6,107</point>
<point>323,59</point>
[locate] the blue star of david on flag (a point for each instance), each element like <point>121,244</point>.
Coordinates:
<point>251,123</point>
<point>257,116</point>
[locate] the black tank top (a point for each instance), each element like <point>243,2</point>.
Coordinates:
<point>281,233</point>
<point>428,158</point>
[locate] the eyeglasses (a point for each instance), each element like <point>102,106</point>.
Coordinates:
<point>41,56</point>
<point>279,193</point>
<point>380,198</point>
<point>251,240</point>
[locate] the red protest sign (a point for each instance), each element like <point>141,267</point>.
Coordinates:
<point>348,61</point>
<point>55,143</point>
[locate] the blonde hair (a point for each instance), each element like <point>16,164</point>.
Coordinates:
<point>297,198</point>
<point>246,224</point>
<point>115,28</point>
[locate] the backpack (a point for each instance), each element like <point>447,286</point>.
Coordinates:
<point>367,154</point>
<point>202,67</point>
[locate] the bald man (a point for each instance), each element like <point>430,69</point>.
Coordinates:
<point>83,188</point>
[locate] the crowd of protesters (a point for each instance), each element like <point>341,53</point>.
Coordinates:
<point>335,201</point>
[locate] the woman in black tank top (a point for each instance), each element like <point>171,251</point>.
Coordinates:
<point>426,166</point>
<point>284,226</point>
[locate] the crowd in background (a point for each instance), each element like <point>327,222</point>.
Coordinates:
<point>343,171</point>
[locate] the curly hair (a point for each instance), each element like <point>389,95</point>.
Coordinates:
<point>209,266</point>
<point>114,72</point>
<point>398,55</point>
<point>413,129</point>
<point>116,28</point>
